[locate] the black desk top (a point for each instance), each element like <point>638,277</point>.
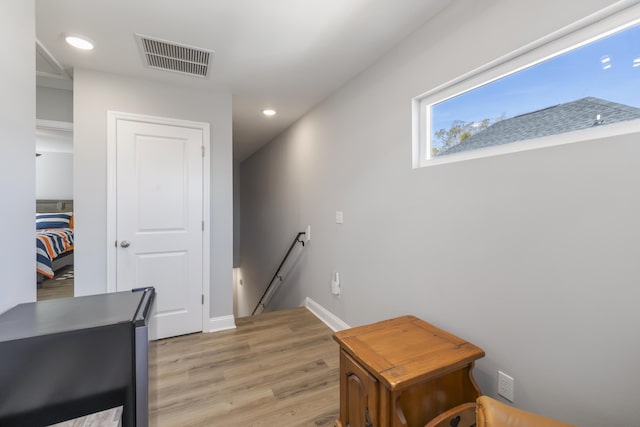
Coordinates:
<point>70,314</point>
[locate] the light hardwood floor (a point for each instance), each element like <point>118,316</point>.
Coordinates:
<point>276,369</point>
<point>108,418</point>
<point>59,287</point>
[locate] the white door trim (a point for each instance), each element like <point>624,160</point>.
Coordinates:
<point>112,120</point>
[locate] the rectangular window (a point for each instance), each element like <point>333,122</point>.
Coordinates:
<point>588,85</point>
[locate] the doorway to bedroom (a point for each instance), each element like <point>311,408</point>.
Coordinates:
<point>54,210</point>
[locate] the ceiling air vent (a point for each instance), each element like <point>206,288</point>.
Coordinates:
<point>170,56</point>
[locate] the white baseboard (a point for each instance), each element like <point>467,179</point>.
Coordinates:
<point>221,323</point>
<point>327,317</point>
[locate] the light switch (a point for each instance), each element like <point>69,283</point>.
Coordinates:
<point>339,217</point>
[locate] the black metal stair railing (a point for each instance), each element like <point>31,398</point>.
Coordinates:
<point>277,278</point>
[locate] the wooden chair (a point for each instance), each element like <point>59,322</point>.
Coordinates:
<point>460,416</point>
<point>488,412</point>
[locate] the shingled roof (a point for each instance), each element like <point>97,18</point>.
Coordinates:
<point>575,115</point>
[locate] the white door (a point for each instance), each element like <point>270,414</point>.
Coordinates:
<point>159,221</point>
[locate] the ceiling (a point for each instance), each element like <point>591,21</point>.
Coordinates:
<point>284,54</point>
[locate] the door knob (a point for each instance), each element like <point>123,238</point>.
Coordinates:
<point>124,244</point>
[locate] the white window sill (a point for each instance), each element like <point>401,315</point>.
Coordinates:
<point>583,135</point>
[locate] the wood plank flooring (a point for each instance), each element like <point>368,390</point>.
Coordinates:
<point>276,369</point>
<point>58,287</point>
<point>108,418</point>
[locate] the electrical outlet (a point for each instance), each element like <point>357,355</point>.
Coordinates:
<point>335,284</point>
<point>505,386</point>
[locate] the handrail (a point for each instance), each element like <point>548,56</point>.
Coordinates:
<point>277,276</point>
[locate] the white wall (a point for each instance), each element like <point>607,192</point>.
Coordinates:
<point>94,94</point>
<point>54,104</point>
<point>532,256</point>
<point>17,152</point>
<point>54,176</point>
<point>236,212</point>
<point>54,168</point>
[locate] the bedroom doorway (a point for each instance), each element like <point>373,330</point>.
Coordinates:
<point>54,210</point>
<point>157,216</point>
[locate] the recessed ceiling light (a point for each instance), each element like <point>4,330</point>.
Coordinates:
<point>79,42</point>
<point>269,112</point>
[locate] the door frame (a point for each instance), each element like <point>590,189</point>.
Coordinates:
<point>112,122</point>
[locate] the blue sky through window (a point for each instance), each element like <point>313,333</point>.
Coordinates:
<point>608,68</point>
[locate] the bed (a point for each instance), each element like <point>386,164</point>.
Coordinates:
<point>54,237</point>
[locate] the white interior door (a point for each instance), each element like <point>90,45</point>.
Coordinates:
<point>159,220</point>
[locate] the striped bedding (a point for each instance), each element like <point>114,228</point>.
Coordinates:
<point>51,243</point>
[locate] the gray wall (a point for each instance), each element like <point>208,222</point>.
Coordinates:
<point>94,94</point>
<point>54,175</point>
<point>17,152</point>
<point>54,104</point>
<point>236,213</point>
<point>54,168</point>
<point>532,256</point>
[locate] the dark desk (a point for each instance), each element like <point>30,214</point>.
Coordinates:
<point>63,359</point>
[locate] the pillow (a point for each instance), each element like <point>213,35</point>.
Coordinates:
<point>53,220</point>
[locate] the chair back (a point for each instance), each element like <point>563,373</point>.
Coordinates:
<point>460,416</point>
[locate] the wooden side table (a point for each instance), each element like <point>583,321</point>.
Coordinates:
<point>402,372</point>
